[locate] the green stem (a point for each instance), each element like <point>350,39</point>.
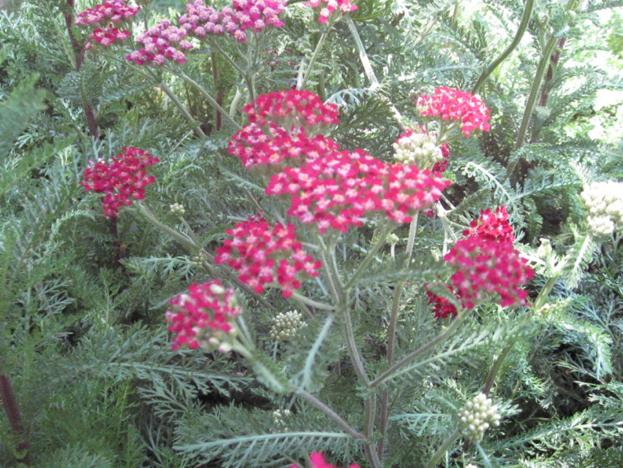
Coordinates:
<point>370,449</point>
<point>304,394</point>
<point>311,302</point>
<point>181,238</point>
<point>547,288</point>
<point>367,67</point>
<point>302,81</point>
<point>443,336</point>
<point>441,450</point>
<point>351,345</point>
<point>209,98</point>
<point>534,92</point>
<point>523,25</point>
<point>179,104</point>
<point>497,365</point>
<point>370,256</point>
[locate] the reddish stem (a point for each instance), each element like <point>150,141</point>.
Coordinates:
<point>554,58</point>
<point>79,59</point>
<point>9,403</point>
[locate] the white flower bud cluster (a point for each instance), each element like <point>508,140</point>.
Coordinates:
<point>199,258</point>
<point>177,209</point>
<point>477,416</point>
<point>418,149</point>
<point>280,419</point>
<point>604,202</point>
<point>286,325</point>
<point>471,465</point>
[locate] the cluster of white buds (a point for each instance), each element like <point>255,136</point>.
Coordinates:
<point>471,465</point>
<point>477,416</point>
<point>286,325</point>
<point>177,209</point>
<point>280,419</point>
<point>199,258</point>
<point>418,149</point>
<point>604,202</point>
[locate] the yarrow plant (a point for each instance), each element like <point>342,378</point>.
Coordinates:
<point>453,104</point>
<point>102,19</point>
<point>123,180</point>
<point>422,150</point>
<point>478,415</point>
<point>204,317</point>
<point>202,20</point>
<point>486,266</point>
<point>604,201</point>
<point>338,190</point>
<point>267,255</point>
<point>162,42</point>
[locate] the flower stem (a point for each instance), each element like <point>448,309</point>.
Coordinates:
<point>523,25</point>
<point>209,98</point>
<point>370,256</point>
<point>302,79</point>
<point>367,66</point>
<point>441,450</point>
<point>305,395</point>
<point>9,403</point>
<point>311,302</point>
<point>443,336</point>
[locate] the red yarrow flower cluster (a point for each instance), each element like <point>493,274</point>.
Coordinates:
<point>442,307</point>
<point>487,265</point>
<point>328,7</point>
<point>101,17</point>
<point>203,317</point>
<point>112,11</point>
<point>123,180</point>
<point>255,147</point>
<point>492,225</point>
<point>257,15</point>
<point>263,254</point>
<point>163,42</point>
<point>337,190</point>
<point>317,461</point>
<point>107,36</point>
<point>292,108</point>
<point>453,104</point>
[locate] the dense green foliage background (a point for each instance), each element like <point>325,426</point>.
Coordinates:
<point>82,335</point>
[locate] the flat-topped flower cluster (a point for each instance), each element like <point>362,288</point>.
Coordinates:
<point>203,317</point>
<point>460,106</point>
<point>123,180</point>
<point>486,266</point>
<point>102,18</point>
<point>263,254</point>
<point>326,187</point>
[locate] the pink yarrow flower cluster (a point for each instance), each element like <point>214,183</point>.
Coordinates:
<point>318,461</point>
<point>453,104</point>
<point>163,42</point>
<point>202,20</point>
<point>123,180</point>
<point>112,11</point>
<point>487,265</point>
<point>292,108</point>
<point>263,254</point>
<point>255,147</point>
<point>328,7</point>
<point>284,127</point>
<point>102,17</point>
<point>339,189</point>
<point>203,317</point>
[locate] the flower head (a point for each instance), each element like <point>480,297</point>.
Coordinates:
<point>292,108</point>
<point>328,8</point>
<point>263,254</point>
<point>123,180</point>
<point>453,104</point>
<point>111,11</point>
<point>162,42</point>
<point>338,190</point>
<point>604,202</point>
<point>477,416</point>
<point>203,317</point>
